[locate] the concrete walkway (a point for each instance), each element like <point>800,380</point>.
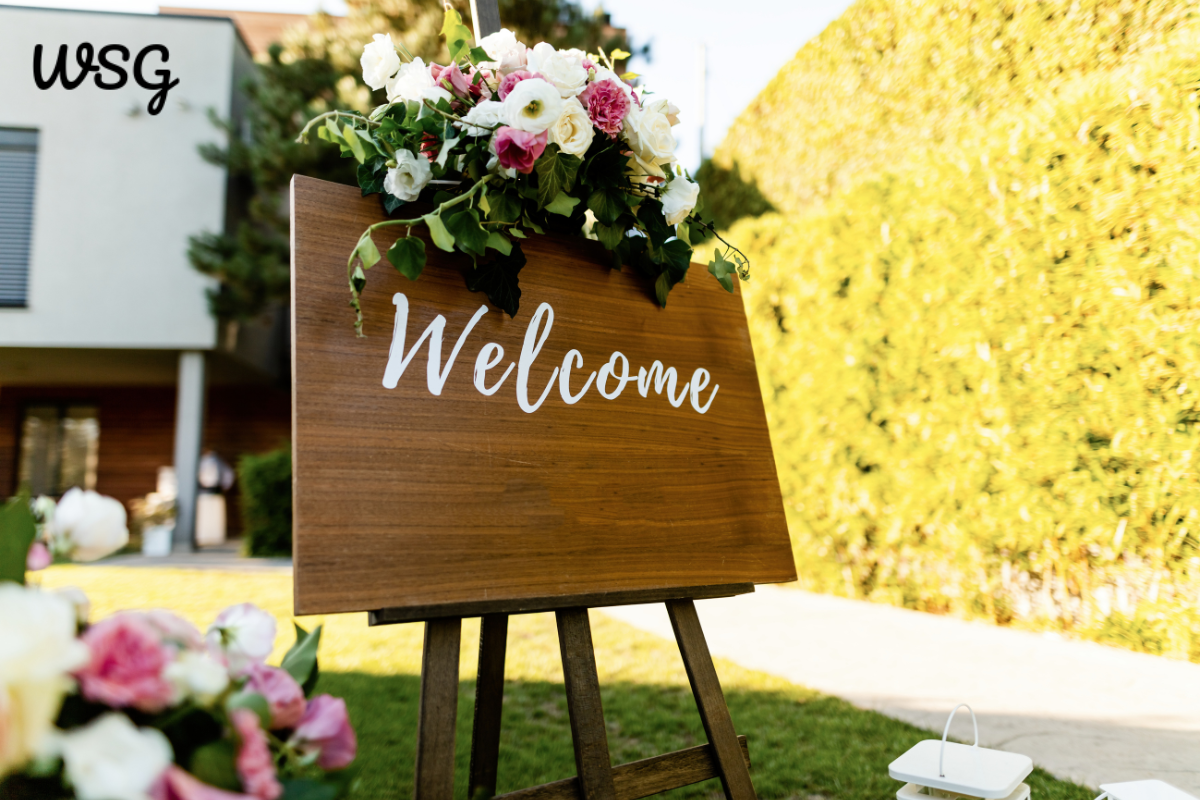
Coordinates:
<point>1083,711</point>
<point>222,557</point>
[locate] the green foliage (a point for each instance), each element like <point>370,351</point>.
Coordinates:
<point>266,486</point>
<point>980,366</point>
<point>17,531</point>
<point>728,195</point>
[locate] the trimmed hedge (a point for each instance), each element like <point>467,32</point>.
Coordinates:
<point>266,486</point>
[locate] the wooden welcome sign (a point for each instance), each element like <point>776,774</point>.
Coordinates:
<point>457,461</point>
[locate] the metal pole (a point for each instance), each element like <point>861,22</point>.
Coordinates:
<point>189,431</point>
<point>702,93</point>
<point>486,15</point>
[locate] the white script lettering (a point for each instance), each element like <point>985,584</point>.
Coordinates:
<point>398,361</point>
<point>572,358</point>
<point>484,362</point>
<point>529,352</point>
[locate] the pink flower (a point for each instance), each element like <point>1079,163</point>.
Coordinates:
<point>175,784</point>
<point>38,557</point>
<point>512,79</point>
<point>606,104</point>
<point>126,665</point>
<point>326,728</point>
<point>255,766</point>
<point>455,81</point>
<point>283,694</point>
<point>240,636</point>
<point>174,629</point>
<point>519,149</point>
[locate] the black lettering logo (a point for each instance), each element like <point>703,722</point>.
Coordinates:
<point>117,75</point>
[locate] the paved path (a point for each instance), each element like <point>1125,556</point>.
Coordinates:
<point>222,556</point>
<point>1083,711</point>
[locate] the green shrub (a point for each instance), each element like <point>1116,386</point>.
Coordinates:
<point>266,486</point>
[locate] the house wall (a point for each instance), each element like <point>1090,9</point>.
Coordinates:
<point>118,191</point>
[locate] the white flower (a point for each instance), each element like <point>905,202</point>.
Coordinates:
<point>197,675</point>
<point>572,131</point>
<point>412,79</point>
<point>78,600</point>
<point>533,105</point>
<point>648,132</point>
<point>507,54</point>
<point>110,759</point>
<point>488,114</point>
<point>379,61</point>
<point>679,199</point>
<point>433,94</point>
<point>410,175</point>
<point>643,172</point>
<point>242,635</point>
<point>87,525</point>
<point>562,68</point>
<point>38,649</point>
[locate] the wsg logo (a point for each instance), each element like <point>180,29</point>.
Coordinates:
<point>84,55</point>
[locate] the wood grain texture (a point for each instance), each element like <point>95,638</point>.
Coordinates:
<point>489,706</point>
<point>593,765</point>
<point>706,687</point>
<point>404,498</point>
<point>434,777</point>
<point>640,779</point>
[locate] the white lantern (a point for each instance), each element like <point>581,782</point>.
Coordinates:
<point>945,769</point>
<point>1143,790</point>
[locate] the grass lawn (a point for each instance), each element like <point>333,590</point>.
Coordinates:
<point>801,743</point>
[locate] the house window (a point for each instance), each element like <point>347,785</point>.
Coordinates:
<point>60,446</point>
<point>18,171</point>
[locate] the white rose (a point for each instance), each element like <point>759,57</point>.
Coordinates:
<point>482,118</point>
<point>679,199</point>
<point>243,634</point>
<point>110,759</point>
<point>648,132</point>
<point>87,525</point>
<point>562,68</point>
<point>412,79</point>
<point>572,131</point>
<point>643,172</point>
<point>507,54</point>
<point>197,675</point>
<point>379,61</point>
<point>533,105</point>
<point>410,175</point>
<point>38,649</point>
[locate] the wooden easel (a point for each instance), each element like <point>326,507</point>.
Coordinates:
<point>725,756</point>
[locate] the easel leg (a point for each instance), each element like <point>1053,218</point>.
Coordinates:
<point>735,778</point>
<point>489,704</point>
<point>592,761</point>
<point>434,779</point>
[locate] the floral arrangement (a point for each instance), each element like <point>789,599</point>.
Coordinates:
<point>506,140</point>
<point>141,705</point>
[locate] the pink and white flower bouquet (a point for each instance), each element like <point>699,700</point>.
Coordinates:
<point>508,140</point>
<point>141,705</point>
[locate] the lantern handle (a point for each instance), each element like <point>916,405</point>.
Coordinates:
<point>945,733</point>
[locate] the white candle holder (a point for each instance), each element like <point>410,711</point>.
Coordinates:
<point>943,769</point>
<point>1143,790</point>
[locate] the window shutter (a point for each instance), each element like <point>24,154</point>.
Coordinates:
<point>18,174</point>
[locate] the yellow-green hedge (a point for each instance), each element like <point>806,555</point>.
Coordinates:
<point>982,361</point>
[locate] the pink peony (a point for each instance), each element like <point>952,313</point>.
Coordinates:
<point>326,728</point>
<point>512,79</point>
<point>38,557</point>
<point>283,694</point>
<point>255,766</point>
<point>519,149</point>
<point>175,784</point>
<point>126,664</point>
<point>606,104</point>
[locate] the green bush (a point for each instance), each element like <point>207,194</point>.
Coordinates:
<point>266,486</point>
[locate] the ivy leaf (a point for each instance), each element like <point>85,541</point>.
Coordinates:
<point>408,256</point>
<point>607,205</point>
<point>458,37</point>
<point>215,763</point>
<point>301,660</point>
<point>503,207</point>
<point>358,280</point>
<point>367,251</point>
<point>17,530</point>
<point>676,256</point>
<point>609,235</point>
<point>722,270</point>
<point>437,229</point>
<point>370,176</point>
<point>467,232</point>
<point>662,287</point>
<point>499,242</point>
<point>556,173</point>
<point>533,226</point>
<point>391,203</point>
<point>354,143</point>
<point>498,280</point>
<point>517,232</point>
<point>253,701</point>
<point>650,214</point>
<point>308,789</point>
<point>563,205</point>
<point>478,54</point>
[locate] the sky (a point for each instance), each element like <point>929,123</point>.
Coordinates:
<point>747,42</point>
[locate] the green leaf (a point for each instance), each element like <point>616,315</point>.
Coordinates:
<point>662,287</point>
<point>533,226</point>
<point>215,763</point>
<point>308,789</point>
<point>499,242</point>
<point>676,256</point>
<point>301,660</point>
<point>458,36</point>
<point>367,251</point>
<point>498,280</point>
<point>563,205</point>
<point>437,229</point>
<point>607,205</point>
<point>354,143</point>
<point>478,54</point>
<point>359,279</point>
<point>332,132</point>
<point>391,203</point>
<point>517,232</point>
<point>503,207</point>
<point>467,232</point>
<point>252,701</point>
<point>408,256</point>
<point>17,531</point>
<point>368,143</point>
<point>722,270</point>
<point>609,235</point>
<point>556,173</point>
<point>484,205</point>
<point>650,214</point>
<point>370,176</point>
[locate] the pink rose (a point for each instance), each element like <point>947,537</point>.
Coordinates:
<point>38,557</point>
<point>175,784</point>
<point>519,149</point>
<point>255,766</point>
<point>126,665</point>
<point>283,694</point>
<point>326,728</point>
<point>512,79</point>
<point>606,104</point>
<point>458,83</point>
